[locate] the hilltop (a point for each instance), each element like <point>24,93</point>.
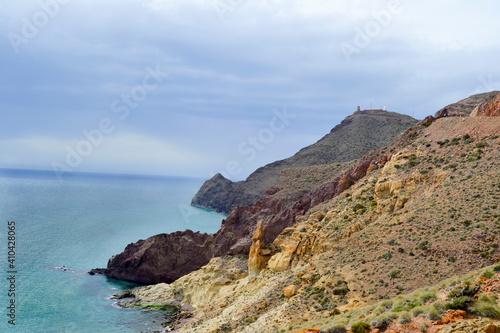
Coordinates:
<point>351,139</point>
<point>356,237</point>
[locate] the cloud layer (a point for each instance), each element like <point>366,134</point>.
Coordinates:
<point>230,65</point>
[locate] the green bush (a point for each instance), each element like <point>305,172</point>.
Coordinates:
<point>341,291</point>
<point>359,207</point>
<point>406,306</point>
<point>486,309</point>
<point>417,311</point>
<point>459,303</point>
<point>480,144</point>
<point>337,329</point>
<point>439,306</point>
<point>424,326</point>
<point>488,273</point>
<point>405,317</point>
<point>428,296</point>
<point>395,274</point>
<point>434,314</point>
<point>362,327</point>
<point>382,324</point>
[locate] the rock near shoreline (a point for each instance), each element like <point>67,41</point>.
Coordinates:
<point>162,258</point>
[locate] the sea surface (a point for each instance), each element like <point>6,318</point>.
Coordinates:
<point>79,223</point>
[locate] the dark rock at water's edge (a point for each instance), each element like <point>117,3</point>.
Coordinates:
<point>162,258</point>
<point>355,136</point>
<point>98,271</point>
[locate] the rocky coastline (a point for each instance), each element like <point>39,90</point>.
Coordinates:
<point>340,245</point>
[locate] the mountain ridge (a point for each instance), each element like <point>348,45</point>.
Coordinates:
<point>351,139</point>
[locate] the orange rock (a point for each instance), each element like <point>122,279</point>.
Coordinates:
<point>489,108</point>
<point>491,329</point>
<point>452,316</point>
<point>255,260</point>
<point>289,291</point>
<point>481,280</point>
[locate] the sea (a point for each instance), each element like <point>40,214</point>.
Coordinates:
<point>62,228</point>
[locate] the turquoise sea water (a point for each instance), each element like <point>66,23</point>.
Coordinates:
<point>79,223</point>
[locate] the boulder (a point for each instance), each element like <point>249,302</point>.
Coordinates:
<point>289,291</point>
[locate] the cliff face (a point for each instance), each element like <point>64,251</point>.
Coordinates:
<point>489,108</point>
<point>162,258</point>
<point>351,139</point>
<point>281,210</point>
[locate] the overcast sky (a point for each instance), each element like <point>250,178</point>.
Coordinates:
<point>195,87</point>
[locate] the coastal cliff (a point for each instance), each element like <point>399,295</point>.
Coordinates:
<point>356,135</point>
<point>398,241</point>
<point>165,258</point>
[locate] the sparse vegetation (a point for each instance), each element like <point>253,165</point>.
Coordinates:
<point>361,327</point>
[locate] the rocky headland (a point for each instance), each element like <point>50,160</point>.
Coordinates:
<point>355,136</point>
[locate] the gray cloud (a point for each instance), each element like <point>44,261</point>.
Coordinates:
<point>227,74</point>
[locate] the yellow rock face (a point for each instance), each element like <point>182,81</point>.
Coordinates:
<point>280,261</point>
<point>255,259</point>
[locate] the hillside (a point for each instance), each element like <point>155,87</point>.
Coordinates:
<point>419,211</point>
<point>466,106</point>
<point>351,139</point>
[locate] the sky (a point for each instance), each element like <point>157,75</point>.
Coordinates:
<point>196,87</point>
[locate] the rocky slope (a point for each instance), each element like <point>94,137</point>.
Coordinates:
<point>489,108</point>
<point>295,191</point>
<point>351,139</point>
<point>465,107</point>
<point>419,211</point>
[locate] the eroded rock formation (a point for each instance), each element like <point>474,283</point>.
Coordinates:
<point>489,108</point>
<point>255,259</point>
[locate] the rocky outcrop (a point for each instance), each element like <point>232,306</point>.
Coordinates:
<point>162,258</point>
<point>220,194</point>
<point>355,136</point>
<point>489,108</point>
<point>258,256</point>
<point>465,107</point>
<point>278,213</point>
